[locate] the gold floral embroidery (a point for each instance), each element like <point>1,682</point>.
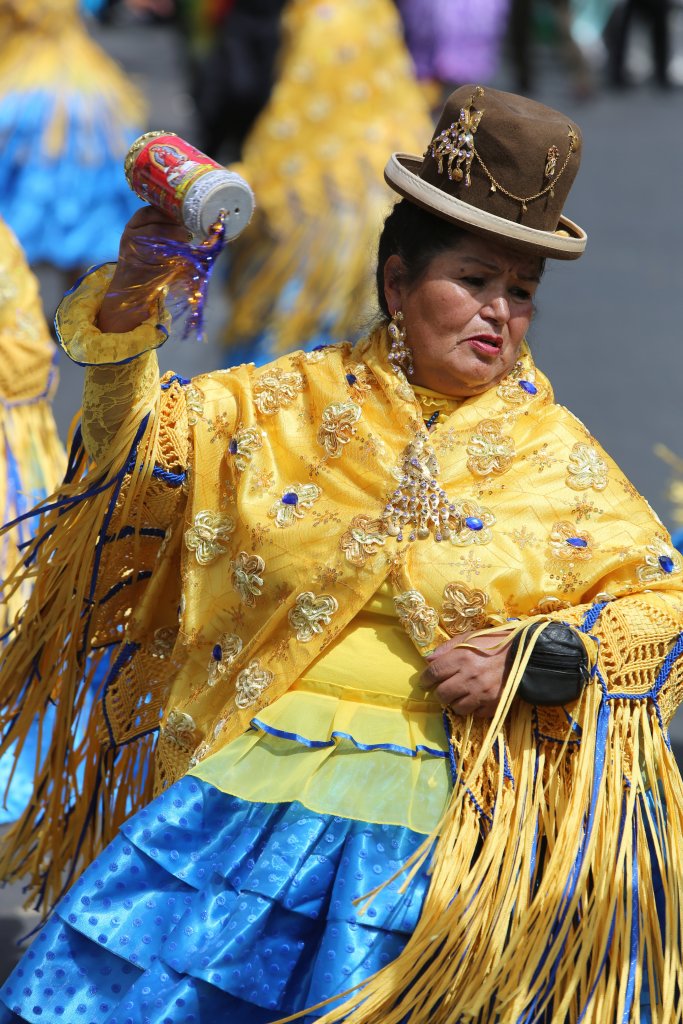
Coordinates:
<point>586,468</point>
<point>247,576</point>
<point>327,576</point>
<point>463,608</point>
<point>259,534</point>
<point>417,618</point>
<point>225,651</point>
<point>567,545</point>
<point>523,537</point>
<point>325,518</point>
<point>210,535</point>
<point>250,684</point>
<point>474,524</point>
<point>582,509</point>
<point>243,444</point>
<point>369,449</point>
<point>261,482</point>
<point>519,385</point>
<point>359,381</point>
<point>221,427</point>
<point>194,400</point>
<point>661,561</point>
<point>275,390</point>
<point>542,458</point>
<point>310,614</point>
<point>471,566</point>
<point>362,540</point>
<point>180,728</point>
<point>490,451</point>
<point>338,427</point>
<point>291,505</point>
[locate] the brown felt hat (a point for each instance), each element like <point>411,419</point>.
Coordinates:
<point>501,166</point>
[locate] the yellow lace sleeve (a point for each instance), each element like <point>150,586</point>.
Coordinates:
<point>122,376</point>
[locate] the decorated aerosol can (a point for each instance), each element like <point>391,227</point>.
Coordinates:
<point>167,172</point>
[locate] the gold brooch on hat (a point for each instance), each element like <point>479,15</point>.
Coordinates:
<point>456,144</point>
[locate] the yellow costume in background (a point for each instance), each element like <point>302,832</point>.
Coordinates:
<point>31,455</point>
<point>304,270</point>
<point>67,117</point>
<point>236,538</point>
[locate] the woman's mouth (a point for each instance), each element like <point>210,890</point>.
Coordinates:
<point>486,344</point>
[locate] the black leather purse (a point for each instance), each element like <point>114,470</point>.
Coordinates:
<point>557,670</point>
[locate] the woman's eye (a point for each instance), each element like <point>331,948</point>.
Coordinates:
<point>476,282</point>
<point>520,293</point>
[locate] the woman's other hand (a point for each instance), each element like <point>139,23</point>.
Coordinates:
<point>468,679</point>
<point>141,270</point>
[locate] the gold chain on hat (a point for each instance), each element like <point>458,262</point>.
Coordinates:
<point>456,146</point>
<point>550,165</point>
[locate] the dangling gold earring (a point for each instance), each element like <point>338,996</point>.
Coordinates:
<point>400,354</point>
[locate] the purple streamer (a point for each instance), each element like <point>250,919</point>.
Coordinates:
<point>188,290</point>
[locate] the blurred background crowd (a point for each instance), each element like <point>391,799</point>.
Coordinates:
<point>307,98</point>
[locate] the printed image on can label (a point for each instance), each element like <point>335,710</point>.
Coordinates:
<point>165,169</point>
<point>167,172</point>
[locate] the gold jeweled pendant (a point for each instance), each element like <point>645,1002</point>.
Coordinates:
<point>419,505</point>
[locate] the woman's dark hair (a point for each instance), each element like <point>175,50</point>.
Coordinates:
<point>417,237</point>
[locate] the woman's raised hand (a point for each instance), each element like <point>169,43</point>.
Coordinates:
<point>469,680</point>
<point>141,271</point>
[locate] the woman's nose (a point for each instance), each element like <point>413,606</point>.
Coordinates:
<point>497,308</point>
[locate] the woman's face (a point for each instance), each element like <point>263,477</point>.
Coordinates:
<point>465,318</point>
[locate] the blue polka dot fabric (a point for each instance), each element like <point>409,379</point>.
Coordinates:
<point>208,908</point>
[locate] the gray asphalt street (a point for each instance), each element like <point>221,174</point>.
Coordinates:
<point>609,327</point>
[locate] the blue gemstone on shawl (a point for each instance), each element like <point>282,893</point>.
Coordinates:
<point>232,447</point>
<point>667,564</point>
<point>577,542</point>
<point>290,498</point>
<point>473,523</point>
<point>217,653</point>
<point>351,379</point>
<point>527,386</point>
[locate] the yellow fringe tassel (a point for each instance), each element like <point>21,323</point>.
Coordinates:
<point>546,912</point>
<point>71,780</point>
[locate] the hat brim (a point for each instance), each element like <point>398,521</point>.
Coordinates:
<point>567,242</point>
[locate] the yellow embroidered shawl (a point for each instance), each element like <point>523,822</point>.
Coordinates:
<point>233,525</point>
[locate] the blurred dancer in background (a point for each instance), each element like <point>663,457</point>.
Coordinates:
<point>302,274</point>
<point>656,12</point>
<point>233,75</point>
<point>31,456</point>
<point>454,41</point>
<point>67,117</point>
<point>522,27</point>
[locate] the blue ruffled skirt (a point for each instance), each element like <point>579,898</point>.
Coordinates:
<point>209,908</point>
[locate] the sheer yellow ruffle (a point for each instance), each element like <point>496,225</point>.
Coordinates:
<point>278,760</point>
<point>360,694</point>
